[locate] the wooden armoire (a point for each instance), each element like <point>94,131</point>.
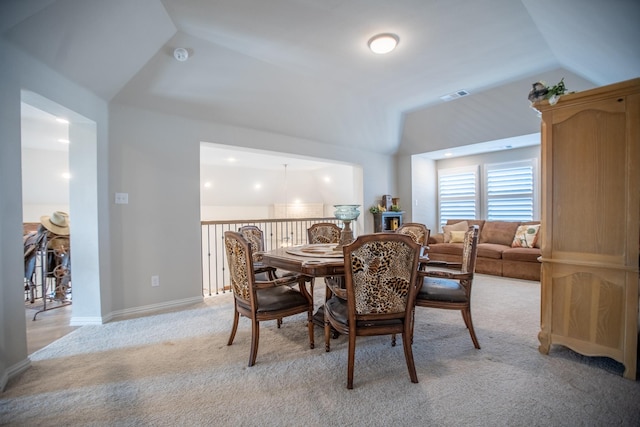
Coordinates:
<point>591,223</point>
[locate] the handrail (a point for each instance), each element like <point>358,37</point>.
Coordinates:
<point>277,232</point>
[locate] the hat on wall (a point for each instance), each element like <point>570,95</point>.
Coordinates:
<point>57,223</point>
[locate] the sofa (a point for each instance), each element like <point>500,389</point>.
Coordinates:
<point>505,248</point>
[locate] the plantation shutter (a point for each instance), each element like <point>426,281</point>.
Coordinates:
<point>510,191</point>
<point>457,194</point>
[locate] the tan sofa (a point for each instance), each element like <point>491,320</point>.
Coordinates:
<point>496,252</point>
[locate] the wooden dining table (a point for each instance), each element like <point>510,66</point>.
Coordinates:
<point>316,260</point>
<point>312,260</point>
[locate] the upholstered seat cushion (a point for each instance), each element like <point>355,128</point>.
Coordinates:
<point>522,254</point>
<point>277,298</point>
<point>337,308</point>
<point>446,248</point>
<point>491,250</point>
<point>439,289</point>
<point>259,266</point>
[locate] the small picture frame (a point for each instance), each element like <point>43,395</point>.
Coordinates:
<point>387,201</point>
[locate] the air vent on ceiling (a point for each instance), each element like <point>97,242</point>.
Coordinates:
<point>455,95</point>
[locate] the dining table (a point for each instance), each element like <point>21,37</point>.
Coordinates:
<point>313,261</point>
<point>318,260</point>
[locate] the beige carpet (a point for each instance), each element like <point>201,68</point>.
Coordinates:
<point>176,369</point>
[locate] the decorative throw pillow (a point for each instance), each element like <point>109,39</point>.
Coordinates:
<point>526,236</point>
<point>457,236</point>
<point>458,226</point>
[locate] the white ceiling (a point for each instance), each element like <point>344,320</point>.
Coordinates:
<point>42,131</point>
<point>301,68</point>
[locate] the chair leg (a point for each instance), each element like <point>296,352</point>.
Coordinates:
<point>255,337</point>
<point>279,321</point>
<point>408,355</point>
<point>413,322</point>
<point>311,283</point>
<point>312,343</point>
<point>234,328</point>
<point>466,316</point>
<point>393,336</point>
<point>351,358</point>
<point>327,336</point>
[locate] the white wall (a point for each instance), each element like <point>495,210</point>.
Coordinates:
<point>221,213</point>
<point>25,74</point>
<point>13,342</point>
<point>424,196</point>
<point>235,186</point>
<point>44,190</point>
<point>155,159</point>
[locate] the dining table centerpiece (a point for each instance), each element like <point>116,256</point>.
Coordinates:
<point>346,213</point>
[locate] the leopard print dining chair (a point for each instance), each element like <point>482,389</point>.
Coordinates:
<point>381,273</point>
<point>323,232</point>
<point>262,300</point>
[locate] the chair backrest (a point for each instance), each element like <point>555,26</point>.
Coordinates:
<point>239,258</point>
<point>254,236</point>
<point>60,244</point>
<point>58,251</point>
<point>470,249</point>
<point>380,276</point>
<point>324,232</point>
<point>418,232</point>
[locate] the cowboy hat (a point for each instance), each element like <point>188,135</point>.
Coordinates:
<point>57,223</point>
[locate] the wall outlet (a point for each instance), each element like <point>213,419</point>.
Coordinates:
<point>122,198</point>
<point>155,280</point>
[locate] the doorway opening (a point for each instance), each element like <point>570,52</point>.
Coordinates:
<point>59,162</point>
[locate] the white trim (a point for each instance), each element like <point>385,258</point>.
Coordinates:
<point>14,370</point>
<point>148,309</point>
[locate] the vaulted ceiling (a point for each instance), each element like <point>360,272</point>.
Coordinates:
<point>302,67</point>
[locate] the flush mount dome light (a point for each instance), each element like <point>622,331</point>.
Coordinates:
<point>181,54</point>
<point>383,43</point>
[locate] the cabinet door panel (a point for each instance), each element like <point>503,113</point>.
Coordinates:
<point>589,180</point>
<point>589,306</point>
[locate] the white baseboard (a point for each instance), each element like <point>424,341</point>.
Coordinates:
<point>14,370</point>
<point>150,309</point>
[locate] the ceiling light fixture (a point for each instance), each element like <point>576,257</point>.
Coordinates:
<point>181,54</point>
<point>383,43</point>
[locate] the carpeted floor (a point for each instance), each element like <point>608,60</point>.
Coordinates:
<point>176,369</point>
